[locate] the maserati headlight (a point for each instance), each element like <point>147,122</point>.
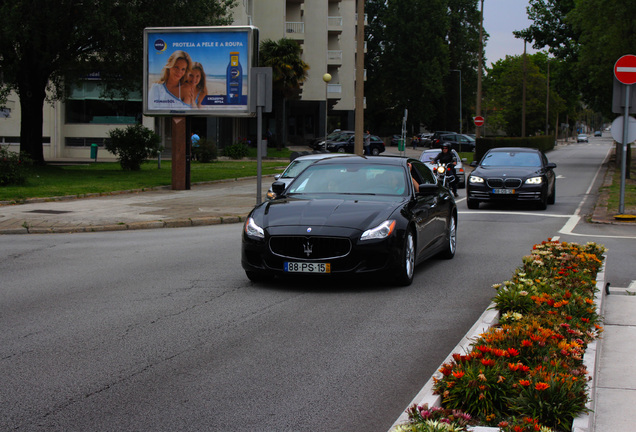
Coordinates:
<point>534,180</point>
<point>253,231</point>
<point>475,179</point>
<point>380,232</point>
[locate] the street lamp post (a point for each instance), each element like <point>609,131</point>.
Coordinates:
<point>460,98</point>
<point>326,78</point>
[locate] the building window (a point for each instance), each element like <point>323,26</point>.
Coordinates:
<point>84,142</point>
<point>85,105</point>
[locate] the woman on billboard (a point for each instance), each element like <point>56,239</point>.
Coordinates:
<point>172,91</point>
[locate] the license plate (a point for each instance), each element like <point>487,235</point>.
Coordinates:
<point>307,267</point>
<point>503,191</point>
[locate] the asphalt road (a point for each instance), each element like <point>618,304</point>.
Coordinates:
<point>160,330</point>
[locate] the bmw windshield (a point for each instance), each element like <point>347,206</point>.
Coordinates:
<point>511,159</point>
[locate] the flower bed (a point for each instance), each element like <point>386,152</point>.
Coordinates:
<point>527,372</point>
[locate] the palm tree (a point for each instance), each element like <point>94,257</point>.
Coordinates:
<point>289,71</point>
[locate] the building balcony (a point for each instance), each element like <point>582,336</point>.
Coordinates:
<point>295,30</point>
<point>334,23</point>
<point>334,57</point>
<point>334,91</point>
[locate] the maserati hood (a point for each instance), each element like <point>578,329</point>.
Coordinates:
<point>335,213</point>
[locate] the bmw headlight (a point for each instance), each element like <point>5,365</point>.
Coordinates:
<point>475,179</point>
<point>252,230</point>
<point>380,232</point>
<point>534,180</point>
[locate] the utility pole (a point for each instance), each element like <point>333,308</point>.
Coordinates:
<point>358,144</point>
<point>479,67</point>
<point>523,95</point>
<point>547,101</point>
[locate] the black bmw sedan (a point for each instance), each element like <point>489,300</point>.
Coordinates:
<point>512,174</point>
<point>351,215</point>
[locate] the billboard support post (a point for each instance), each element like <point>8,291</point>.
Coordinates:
<point>179,181</point>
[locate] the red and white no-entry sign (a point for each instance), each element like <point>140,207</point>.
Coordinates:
<point>625,69</point>
<point>479,121</point>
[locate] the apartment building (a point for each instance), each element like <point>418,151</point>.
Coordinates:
<point>326,32</point>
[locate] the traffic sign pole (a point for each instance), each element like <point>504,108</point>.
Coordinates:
<point>625,72</point>
<point>621,201</point>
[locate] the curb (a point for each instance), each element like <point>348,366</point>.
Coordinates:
<point>173,223</point>
<point>490,317</point>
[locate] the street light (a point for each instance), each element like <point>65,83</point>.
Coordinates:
<point>460,97</point>
<point>326,78</point>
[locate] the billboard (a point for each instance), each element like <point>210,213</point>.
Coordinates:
<point>198,70</point>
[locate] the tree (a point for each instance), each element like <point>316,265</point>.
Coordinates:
<point>412,46</point>
<point>46,46</point>
<point>463,50</point>
<point>607,31</point>
<point>550,27</point>
<point>503,88</point>
<point>407,60</point>
<point>289,71</point>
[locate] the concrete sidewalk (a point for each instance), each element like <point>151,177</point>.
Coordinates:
<point>615,383</point>
<point>205,204</point>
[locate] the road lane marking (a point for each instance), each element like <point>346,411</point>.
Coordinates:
<point>478,212</point>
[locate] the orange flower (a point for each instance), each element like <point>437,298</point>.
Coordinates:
<point>526,343</point>
<point>487,362</point>
<point>524,383</point>
<point>513,352</point>
<point>541,386</point>
<point>498,352</point>
<point>446,369</point>
<point>458,374</point>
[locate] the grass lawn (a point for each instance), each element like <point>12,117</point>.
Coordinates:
<point>105,177</point>
<point>630,190</point>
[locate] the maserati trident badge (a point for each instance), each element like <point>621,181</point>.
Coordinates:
<point>307,247</point>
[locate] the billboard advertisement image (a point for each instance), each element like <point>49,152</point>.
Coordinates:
<point>198,70</point>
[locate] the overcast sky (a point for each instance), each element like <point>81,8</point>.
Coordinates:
<point>501,18</point>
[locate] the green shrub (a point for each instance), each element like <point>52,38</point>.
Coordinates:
<point>14,167</point>
<point>206,151</point>
<point>237,150</point>
<point>133,145</point>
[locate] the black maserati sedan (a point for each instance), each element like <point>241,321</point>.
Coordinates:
<point>351,215</point>
<point>512,174</point>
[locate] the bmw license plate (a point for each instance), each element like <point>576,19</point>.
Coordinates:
<point>307,267</point>
<point>503,191</point>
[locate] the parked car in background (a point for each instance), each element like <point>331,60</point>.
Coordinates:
<point>319,143</point>
<point>598,133</point>
<point>425,139</point>
<point>581,138</point>
<point>435,138</point>
<point>459,142</point>
<point>346,144</point>
<point>351,216</point>
<point>297,166</point>
<point>395,139</point>
<point>427,157</point>
<point>512,174</point>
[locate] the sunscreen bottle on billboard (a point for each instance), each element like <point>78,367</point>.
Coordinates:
<point>234,78</point>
